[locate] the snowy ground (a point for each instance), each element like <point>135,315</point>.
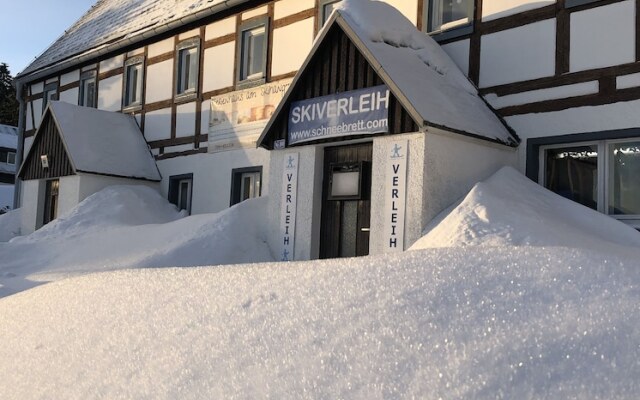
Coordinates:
<point>488,305</point>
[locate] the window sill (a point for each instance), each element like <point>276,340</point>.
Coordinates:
<point>249,83</point>
<point>185,97</point>
<point>453,33</point>
<point>132,108</point>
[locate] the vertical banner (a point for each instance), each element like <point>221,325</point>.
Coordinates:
<point>288,206</point>
<point>395,195</point>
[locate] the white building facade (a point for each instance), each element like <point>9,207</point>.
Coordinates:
<point>205,83</point>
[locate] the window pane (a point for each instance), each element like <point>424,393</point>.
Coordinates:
<point>348,228</point>
<point>183,201</point>
<point>133,85</point>
<point>88,92</point>
<point>624,178</point>
<point>445,14</point>
<point>253,61</point>
<point>187,70</point>
<point>572,172</point>
<point>11,158</point>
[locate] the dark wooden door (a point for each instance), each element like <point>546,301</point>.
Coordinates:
<point>344,230</point>
<point>51,201</point>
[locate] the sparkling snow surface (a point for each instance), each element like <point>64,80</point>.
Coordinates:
<point>512,320</point>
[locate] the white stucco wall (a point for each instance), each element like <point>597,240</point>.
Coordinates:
<point>158,124</point>
<point>112,63</point>
<point>285,8</point>
<point>159,81</point>
<point>407,7</point>
<point>526,52</point>
<point>110,93</point>
<point>494,9</point>
<point>453,165</point>
<point>459,53</point>
<point>90,184</point>
<point>159,48</point>
<point>32,195</point>
<point>212,176</point>
<point>291,45</point>
<point>220,28</point>
<point>68,194</point>
<point>70,77</point>
<point>70,96</point>
<point>186,119</point>
<point>414,194</point>
<point>603,36</point>
<point>309,200</point>
<point>218,66</point>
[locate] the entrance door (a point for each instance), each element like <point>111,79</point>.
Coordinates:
<point>51,201</point>
<point>346,205</point>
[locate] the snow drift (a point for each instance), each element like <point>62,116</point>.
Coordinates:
<point>510,210</point>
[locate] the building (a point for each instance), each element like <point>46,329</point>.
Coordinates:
<point>8,146</point>
<point>238,99</point>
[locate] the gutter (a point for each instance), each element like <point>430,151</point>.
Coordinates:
<point>18,183</point>
<point>78,59</point>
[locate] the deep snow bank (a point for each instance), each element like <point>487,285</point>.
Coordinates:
<point>510,209</point>
<point>10,225</point>
<point>456,323</point>
<point>132,227</point>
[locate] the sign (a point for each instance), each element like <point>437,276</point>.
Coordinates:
<point>237,119</point>
<point>288,206</point>
<point>359,112</point>
<point>395,195</point>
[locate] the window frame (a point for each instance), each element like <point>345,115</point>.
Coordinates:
<point>9,156</point>
<point>248,81</point>
<point>181,48</point>
<point>536,162</point>
<point>50,92</point>
<point>322,15</point>
<point>452,32</point>
<point>84,77</point>
<point>173,194</point>
<point>236,183</point>
<point>128,64</point>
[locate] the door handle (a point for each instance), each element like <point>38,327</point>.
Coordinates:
<point>365,229</point>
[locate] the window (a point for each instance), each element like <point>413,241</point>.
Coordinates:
<point>50,93</point>
<point>133,78</point>
<point>253,51</point>
<point>11,158</point>
<point>88,89</point>
<point>326,7</point>
<point>187,68</point>
<point>601,175</point>
<point>245,184</point>
<point>180,190</point>
<point>444,15</point>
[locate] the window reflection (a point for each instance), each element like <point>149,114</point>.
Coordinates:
<point>624,178</point>
<point>572,172</point>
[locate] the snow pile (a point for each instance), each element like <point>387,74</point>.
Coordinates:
<point>6,197</point>
<point>508,209</point>
<point>456,323</point>
<point>132,227</point>
<point>10,225</point>
<point>112,207</point>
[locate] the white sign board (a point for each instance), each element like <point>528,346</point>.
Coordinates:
<point>288,206</point>
<point>395,195</point>
<point>237,119</point>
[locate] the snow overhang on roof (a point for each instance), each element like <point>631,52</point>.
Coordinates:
<point>416,69</point>
<point>111,25</point>
<point>101,142</point>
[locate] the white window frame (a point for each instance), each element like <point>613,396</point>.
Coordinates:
<point>85,77</point>
<point>134,63</point>
<point>324,17</point>
<point>191,47</point>
<point>603,166</point>
<point>243,77</point>
<point>49,93</point>
<point>450,29</point>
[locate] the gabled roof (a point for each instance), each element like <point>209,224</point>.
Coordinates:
<point>100,142</point>
<point>415,68</point>
<point>113,24</point>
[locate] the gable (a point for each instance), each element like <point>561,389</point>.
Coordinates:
<point>47,142</point>
<point>337,66</point>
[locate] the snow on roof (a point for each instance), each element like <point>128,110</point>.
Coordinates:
<point>113,21</point>
<point>440,93</point>
<point>8,136</point>
<point>104,142</point>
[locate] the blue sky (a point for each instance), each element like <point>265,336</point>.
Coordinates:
<point>30,26</point>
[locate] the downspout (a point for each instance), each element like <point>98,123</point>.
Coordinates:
<point>17,198</point>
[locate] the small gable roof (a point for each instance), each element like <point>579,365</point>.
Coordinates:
<point>100,142</point>
<point>416,69</point>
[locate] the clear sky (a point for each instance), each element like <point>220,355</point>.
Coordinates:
<point>28,27</point>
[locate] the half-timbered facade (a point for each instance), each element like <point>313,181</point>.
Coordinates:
<point>203,79</point>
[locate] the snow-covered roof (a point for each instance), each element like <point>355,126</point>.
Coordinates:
<point>431,82</point>
<point>8,136</point>
<point>102,142</point>
<point>111,24</point>
<point>416,69</point>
